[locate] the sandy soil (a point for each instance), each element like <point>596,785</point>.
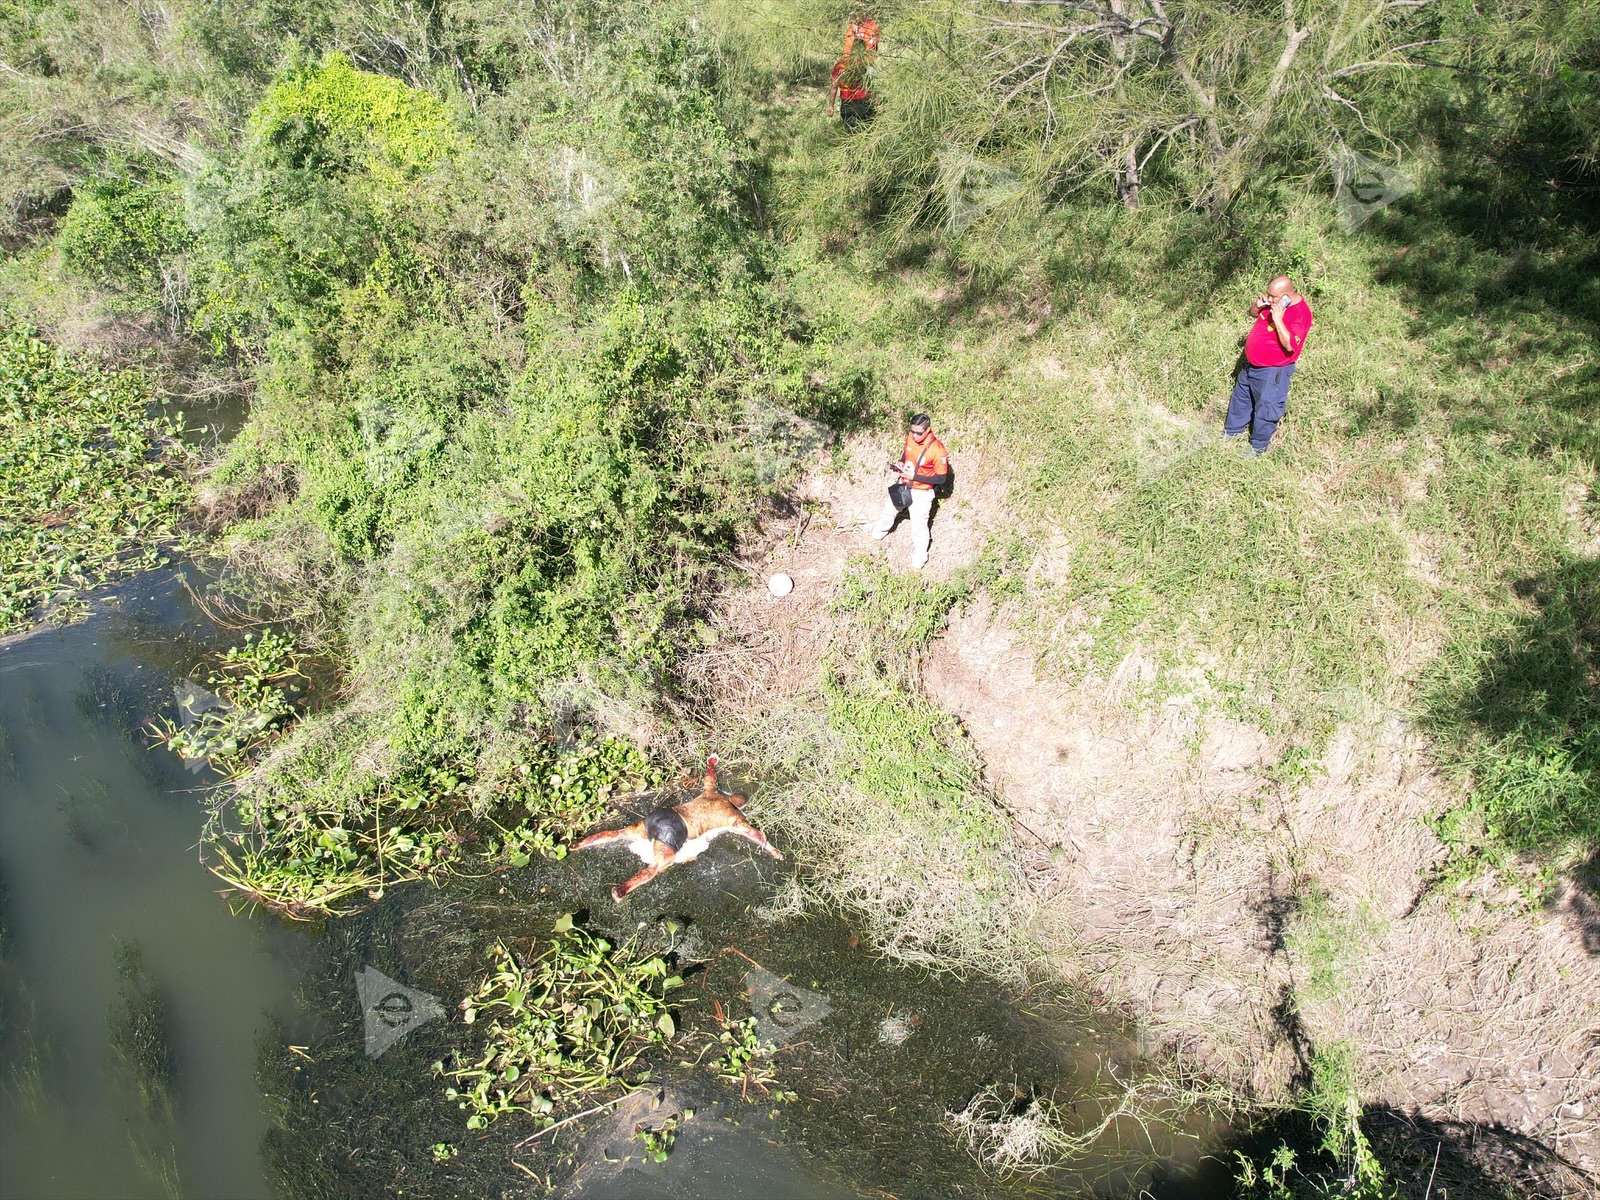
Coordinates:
<point>1172,871</point>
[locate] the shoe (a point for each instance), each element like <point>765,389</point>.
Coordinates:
<point>876,536</point>
<point>917,566</point>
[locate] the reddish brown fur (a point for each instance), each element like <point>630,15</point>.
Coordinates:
<point>709,814</point>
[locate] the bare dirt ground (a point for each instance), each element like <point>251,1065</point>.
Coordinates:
<point>1247,919</point>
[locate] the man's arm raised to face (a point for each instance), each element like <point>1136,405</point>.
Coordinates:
<point>1279,328</point>
<point>1281,294</point>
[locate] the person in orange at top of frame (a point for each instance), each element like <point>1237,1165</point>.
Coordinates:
<point>849,86</point>
<point>923,467</point>
<point>1271,351</point>
<point>862,28</point>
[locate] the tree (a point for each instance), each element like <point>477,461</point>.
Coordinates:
<point>1193,98</point>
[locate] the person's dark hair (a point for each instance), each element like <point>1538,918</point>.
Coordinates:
<point>920,421</point>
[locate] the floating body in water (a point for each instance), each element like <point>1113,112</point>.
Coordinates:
<point>680,833</point>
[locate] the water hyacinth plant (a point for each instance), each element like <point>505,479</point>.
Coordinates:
<point>560,1028</point>
<point>255,697</point>
<point>92,484</point>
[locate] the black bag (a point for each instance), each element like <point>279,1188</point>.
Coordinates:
<point>900,493</point>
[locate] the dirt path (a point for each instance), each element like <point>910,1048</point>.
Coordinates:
<point>1250,917</point>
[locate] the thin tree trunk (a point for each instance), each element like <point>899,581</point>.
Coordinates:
<point>1128,178</point>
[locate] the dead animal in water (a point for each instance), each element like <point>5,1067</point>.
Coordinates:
<point>681,833</point>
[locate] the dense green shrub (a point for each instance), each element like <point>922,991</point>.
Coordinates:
<point>532,427</point>
<point>117,234</point>
<point>320,201</point>
<point>332,117</point>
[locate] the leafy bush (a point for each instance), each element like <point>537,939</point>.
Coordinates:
<point>332,117</point>
<point>118,233</point>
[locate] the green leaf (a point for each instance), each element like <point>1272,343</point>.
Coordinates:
<point>666,1024</point>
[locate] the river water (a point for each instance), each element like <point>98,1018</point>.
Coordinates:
<point>272,1088</point>
<point>97,839</point>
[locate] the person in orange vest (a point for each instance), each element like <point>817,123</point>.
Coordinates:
<point>849,87</point>
<point>863,29</point>
<point>924,467</point>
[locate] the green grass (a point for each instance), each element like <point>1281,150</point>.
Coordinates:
<point>1521,709</point>
<point>1409,538</point>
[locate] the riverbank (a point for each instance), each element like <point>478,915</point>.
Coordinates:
<point>551,352</point>
<point>1295,757</point>
<point>1158,856</point>
<point>146,1018</point>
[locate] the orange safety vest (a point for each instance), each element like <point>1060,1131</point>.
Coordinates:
<point>931,458</point>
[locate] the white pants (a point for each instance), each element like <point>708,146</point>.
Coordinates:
<point>920,514</point>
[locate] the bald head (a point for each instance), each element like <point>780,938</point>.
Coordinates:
<point>1282,285</point>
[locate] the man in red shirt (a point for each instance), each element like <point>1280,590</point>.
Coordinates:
<point>1261,392</point>
<point>924,467</point>
<point>849,86</point>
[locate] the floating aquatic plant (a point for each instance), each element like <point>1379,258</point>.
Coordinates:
<point>561,1027</point>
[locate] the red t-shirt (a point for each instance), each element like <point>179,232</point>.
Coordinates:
<point>846,92</point>
<point>1261,348</point>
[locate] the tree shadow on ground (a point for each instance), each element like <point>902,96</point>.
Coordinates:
<point>1525,717</point>
<point>1422,1158</point>
<point>1579,899</point>
<point>1526,724</point>
<point>1503,305</point>
<point>1277,909</point>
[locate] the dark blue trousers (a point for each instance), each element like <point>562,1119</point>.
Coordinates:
<point>1260,394</point>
